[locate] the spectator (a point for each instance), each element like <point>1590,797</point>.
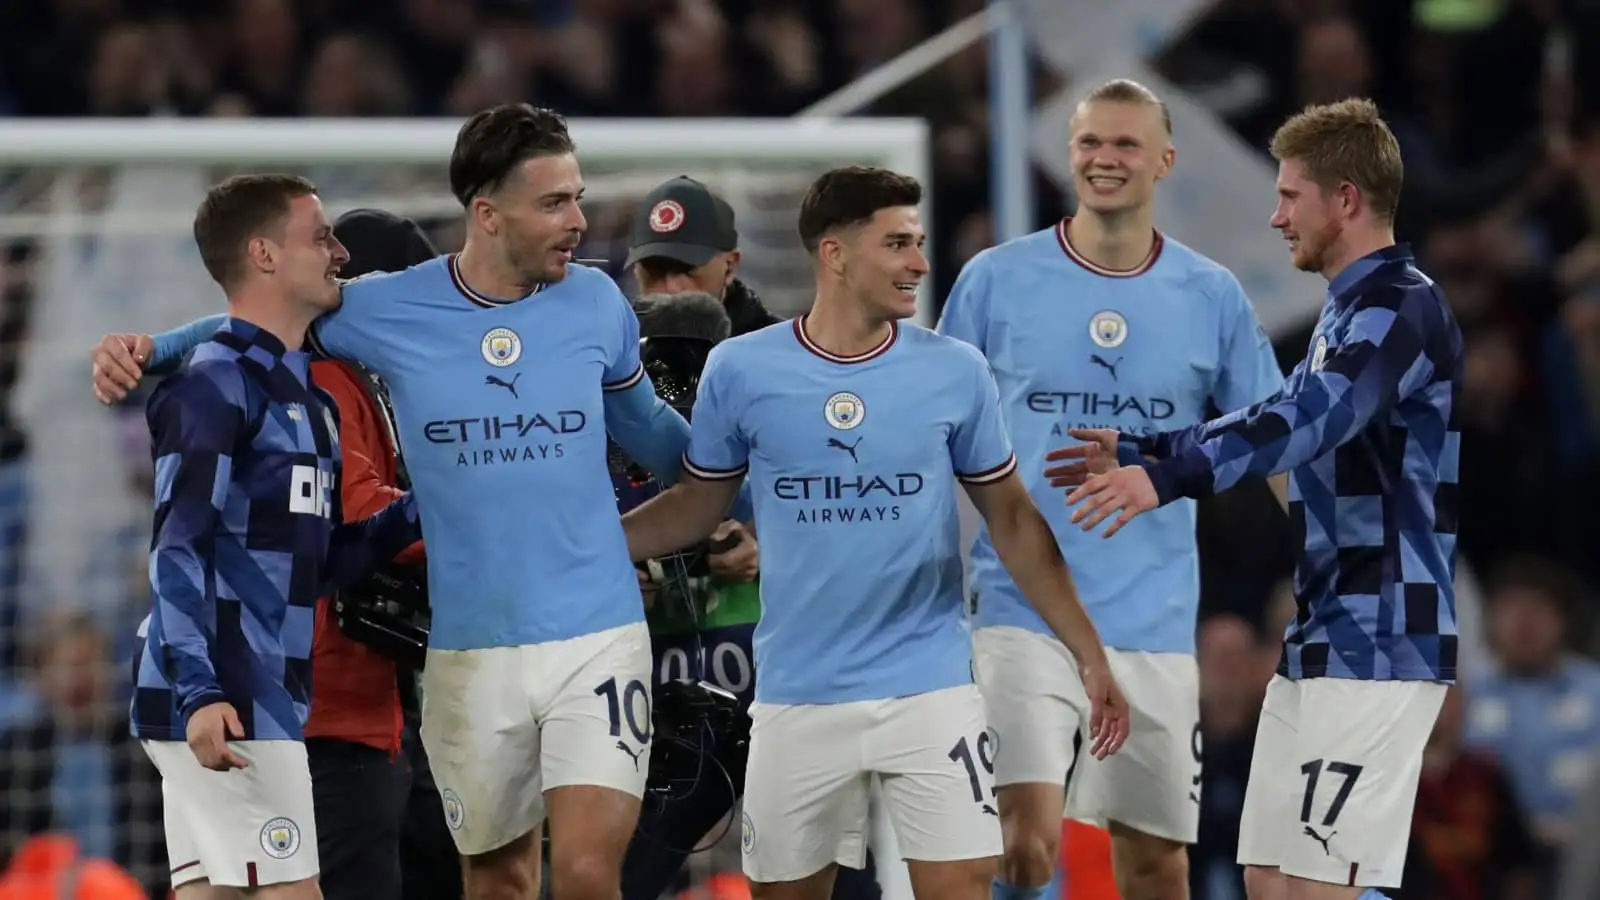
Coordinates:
<point>1469,840</point>
<point>1539,710</point>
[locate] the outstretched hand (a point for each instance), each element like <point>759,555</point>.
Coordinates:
<point>1126,492</point>
<point>1097,456</point>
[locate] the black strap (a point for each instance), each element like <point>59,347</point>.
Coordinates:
<point>379,394</point>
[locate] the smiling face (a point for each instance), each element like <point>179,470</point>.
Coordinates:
<point>882,262</point>
<point>1306,216</point>
<point>311,255</point>
<point>1119,151</point>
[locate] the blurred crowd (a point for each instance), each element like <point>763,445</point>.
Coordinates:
<point>1497,106</point>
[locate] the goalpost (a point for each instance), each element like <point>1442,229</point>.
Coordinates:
<point>95,219</point>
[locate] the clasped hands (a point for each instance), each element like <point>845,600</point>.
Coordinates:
<point>1100,487</point>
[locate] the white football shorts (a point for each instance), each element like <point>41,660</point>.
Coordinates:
<point>242,828</point>
<point>808,782</point>
<point>1333,779</point>
<point>503,725</point>
<point>1038,707</point>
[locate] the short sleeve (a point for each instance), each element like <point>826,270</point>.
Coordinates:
<point>1249,372</point>
<point>623,368</point>
<point>966,311</point>
<point>980,449</point>
<point>353,332</point>
<point>717,447</point>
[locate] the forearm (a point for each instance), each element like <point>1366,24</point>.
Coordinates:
<point>676,518</point>
<point>1031,556</point>
<point>359,547</point>
<point>172,346</point>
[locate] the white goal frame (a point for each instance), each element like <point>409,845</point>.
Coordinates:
<point>901,144</point>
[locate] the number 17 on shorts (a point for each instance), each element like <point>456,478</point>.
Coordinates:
<point>1333,780</point>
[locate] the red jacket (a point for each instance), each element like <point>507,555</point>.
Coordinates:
<point>354,692</point>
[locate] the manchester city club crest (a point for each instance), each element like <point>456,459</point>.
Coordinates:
<point>844,410</point>
<point>1108,328</point>
<point>454,812</point>
<point>280,838</point>
<point>1319,354</point>
<point>501,347</point>
<point>747,833</point>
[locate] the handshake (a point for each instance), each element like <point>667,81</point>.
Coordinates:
<point>389,613</point>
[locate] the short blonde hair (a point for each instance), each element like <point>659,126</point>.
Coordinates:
<point>1126,90</point>
<point>1346,141</point>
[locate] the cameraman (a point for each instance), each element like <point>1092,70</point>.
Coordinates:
<point>370,782</point>
<point>684,242</point>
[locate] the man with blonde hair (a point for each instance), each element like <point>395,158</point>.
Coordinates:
<point>1366,428</point>
<point>1103,322</point>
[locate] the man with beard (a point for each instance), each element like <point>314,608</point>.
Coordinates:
<point>1367,429</point>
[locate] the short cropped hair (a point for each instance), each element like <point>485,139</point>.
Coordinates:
<point>1346,141</point>
<point>849,196</point>
<point>1126,90</point>
<point>495,141</point>
<point>235,211</point>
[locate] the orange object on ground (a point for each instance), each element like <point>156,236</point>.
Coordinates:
<point>48,867</point>
<point>721,886</point>
<point>1086,863</point>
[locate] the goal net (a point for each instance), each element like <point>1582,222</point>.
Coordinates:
<point>95,221</point>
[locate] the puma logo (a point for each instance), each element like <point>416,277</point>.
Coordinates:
<point>836,444</point>
<point>990,811</point>
<point>1111,367</point>
<point>508,385</point>
<point>630,751</point>
<point>1311,833</point>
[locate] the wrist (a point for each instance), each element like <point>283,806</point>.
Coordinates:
<point>198,701</point>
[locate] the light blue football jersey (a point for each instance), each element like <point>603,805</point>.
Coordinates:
<point>853,464</point>
<point>1073,345</point>
<point>501,412</point>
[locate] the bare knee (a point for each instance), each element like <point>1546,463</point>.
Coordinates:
<point>585,874</point>
<point>1263,883</point>
<point>1030,819</point>
<point>510,872</point>
<point>1148,867</point>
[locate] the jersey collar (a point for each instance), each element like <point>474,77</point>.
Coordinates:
<point>1364,266</point>
<point>261,346</point>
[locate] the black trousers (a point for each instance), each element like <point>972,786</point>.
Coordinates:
<point>381,833</point>
<point>667,830</point>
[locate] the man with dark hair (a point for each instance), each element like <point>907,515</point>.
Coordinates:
<point>854,429</point>
<point>247,536</point>
<point>536,691</point>
<point>684,241</point>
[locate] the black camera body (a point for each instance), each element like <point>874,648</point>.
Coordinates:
<point>389,612</point>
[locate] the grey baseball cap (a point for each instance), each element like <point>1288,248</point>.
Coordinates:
<point>683,221</point>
